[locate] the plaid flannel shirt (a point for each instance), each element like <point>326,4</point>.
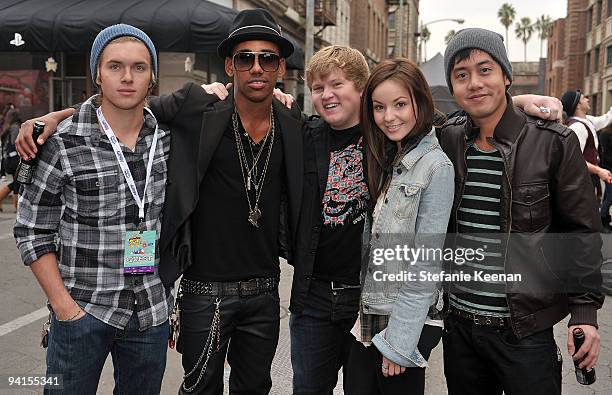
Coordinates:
<point>80,207</point>
<point>370,325</point>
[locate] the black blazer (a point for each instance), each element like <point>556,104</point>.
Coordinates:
<point>197,121</point>
<point>306,241</point>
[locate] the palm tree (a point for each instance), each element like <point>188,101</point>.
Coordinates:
<point>506,16</point>
<point>449,36</point>
<point>544,27</point>
<point>425,36</point>
<point>523,30</point>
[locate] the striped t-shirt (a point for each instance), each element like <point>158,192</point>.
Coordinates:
<point>479,227</point>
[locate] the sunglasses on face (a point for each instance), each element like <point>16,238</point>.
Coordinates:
<point>244,61</point>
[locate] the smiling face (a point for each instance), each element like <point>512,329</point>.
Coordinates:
<point>124,74</point>
<point>255,85</point>
<point>336,99</point>
<point>394,111</point>
<point>479,86</point>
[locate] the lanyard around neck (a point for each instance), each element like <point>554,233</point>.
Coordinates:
<point>123,163</point>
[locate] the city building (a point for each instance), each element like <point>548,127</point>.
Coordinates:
<point>369,29</point>
<point>331,26</point>
<point>580,53</point>
<point>339,32</point>
<point>527,77</point>
<point>597,78</point>
<point>403,29</point>
<point>555,61</point>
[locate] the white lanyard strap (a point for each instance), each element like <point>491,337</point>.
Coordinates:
<point>123,164</point>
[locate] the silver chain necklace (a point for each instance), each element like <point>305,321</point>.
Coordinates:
<point>249,173</point>
<point>252,171</point>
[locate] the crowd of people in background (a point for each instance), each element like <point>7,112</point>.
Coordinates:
<point>10,121</point>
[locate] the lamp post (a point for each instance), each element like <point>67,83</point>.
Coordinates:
<point>309,50</point>
<point>423,25</point>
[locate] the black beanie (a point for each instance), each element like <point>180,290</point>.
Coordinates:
<point>570,101</point>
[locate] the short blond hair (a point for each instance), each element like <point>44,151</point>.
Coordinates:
<point>342,57</point>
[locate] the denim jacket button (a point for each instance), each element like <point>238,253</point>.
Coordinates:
<point>386,200</point>
<point>399,171</point>
<point>377,235</point>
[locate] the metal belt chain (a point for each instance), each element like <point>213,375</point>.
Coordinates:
<point>175,318</point>
<point>215,332</point>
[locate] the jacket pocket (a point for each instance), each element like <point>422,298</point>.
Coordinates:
<point>408,196</point>
<point>97,195</point>
<point>530,207</point>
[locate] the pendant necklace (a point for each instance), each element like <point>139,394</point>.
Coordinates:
<point>249,171</point>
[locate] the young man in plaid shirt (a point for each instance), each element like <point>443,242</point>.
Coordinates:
<point>89,224</point>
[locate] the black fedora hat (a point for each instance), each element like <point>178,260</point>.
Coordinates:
<point>257,24</point>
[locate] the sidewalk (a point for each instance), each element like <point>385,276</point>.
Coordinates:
<point>436,384</point>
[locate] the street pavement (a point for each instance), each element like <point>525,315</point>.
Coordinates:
<point>22,316</point>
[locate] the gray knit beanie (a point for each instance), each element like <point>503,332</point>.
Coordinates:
<point>476,38</point>
<point>115,31</point>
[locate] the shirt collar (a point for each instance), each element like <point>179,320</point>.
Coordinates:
<point>85,122</point>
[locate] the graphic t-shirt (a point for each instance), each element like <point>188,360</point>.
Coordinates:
<point>343,209</point>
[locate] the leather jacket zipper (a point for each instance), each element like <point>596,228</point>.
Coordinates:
<point>509,226</point>
<point>465,149</point>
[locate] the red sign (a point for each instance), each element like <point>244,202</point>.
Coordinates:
<point>28,90</point>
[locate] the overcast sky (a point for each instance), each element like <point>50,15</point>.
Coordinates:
<point>480,13</point>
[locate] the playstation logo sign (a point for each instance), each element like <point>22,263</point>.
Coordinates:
<point>17,41</point>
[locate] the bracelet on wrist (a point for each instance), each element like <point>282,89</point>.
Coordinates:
<point>74,316</point>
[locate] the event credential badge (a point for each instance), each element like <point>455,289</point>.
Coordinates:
<point>139,252</point>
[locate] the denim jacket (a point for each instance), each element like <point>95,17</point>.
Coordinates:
<point>415,213</point>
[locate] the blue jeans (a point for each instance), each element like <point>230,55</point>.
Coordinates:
<point>321,337</point>
<point>77,351</point>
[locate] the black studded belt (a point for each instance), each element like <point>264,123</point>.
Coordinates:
<point>477,319</point>
<point>252,287</point>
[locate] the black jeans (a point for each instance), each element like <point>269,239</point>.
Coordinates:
<point>485,360</point>
<point>364,373</point>
<point>252,324</point>
<point>321,337</point>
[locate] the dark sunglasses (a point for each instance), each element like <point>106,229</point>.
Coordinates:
<point>244,61</point>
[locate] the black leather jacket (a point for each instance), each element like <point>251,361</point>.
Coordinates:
<point>316,163</point>
<point>546,189</point>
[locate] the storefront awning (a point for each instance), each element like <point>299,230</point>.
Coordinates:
<point>72,25</point>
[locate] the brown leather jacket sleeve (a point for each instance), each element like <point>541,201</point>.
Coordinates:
<point>578,214</point>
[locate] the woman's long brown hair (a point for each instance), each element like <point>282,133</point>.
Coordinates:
<point>380,151</point>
